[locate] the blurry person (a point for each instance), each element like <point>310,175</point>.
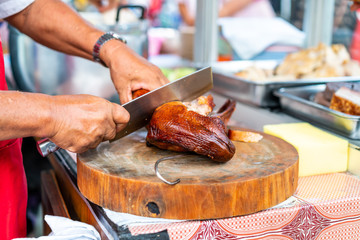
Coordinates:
<point>228,8</point>
<point>343,25</point>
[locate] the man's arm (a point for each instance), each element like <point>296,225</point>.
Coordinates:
<point>54,24</point>
<point>75,123</point>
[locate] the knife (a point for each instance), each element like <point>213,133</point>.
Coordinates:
<point>141,109</point>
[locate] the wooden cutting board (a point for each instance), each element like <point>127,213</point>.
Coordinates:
<point>120,176</point>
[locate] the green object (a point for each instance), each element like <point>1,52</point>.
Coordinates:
<point>176,73</point>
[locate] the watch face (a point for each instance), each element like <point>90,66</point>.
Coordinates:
<point>116,35</point>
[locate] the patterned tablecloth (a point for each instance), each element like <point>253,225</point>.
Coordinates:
<point>323,207</point>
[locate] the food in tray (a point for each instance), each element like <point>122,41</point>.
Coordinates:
<point>324,98</point>
<point>254,73</point>
<point>317,62</point>
<point>347,101</point>
<point>332,87</point>
<point>193,127</point>
<point>341,96</point>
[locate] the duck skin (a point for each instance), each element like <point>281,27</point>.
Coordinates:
<point>193,127</point>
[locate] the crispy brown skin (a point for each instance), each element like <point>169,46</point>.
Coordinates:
<point>226,111</point>
<point>173,127</point>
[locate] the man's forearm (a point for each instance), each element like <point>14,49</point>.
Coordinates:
<point>24,114</point>
<point>53,24</point>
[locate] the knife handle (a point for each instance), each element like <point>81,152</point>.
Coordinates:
<point>45,147</point>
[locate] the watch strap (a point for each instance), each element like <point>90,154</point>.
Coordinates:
<point>101,41</point>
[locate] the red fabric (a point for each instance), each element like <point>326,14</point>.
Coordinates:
<point>154,8</point>
<point>355,45</point>
<point>13,190</point>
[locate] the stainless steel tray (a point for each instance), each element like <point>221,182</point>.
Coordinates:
<point>257,93</point>
<point>297,101</point>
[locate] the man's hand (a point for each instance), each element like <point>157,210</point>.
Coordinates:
<point>83,121</point>
<point>129,71</point>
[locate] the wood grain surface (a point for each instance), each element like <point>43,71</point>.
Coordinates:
<point>120,176</point>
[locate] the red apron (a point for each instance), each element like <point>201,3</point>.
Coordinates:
<point>13,190</point>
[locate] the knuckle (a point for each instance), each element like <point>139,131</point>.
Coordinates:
<point>111,134</point>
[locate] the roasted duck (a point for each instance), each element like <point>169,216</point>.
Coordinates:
<point>193,127</point>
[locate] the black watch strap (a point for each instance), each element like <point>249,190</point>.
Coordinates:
<point>101,41</point>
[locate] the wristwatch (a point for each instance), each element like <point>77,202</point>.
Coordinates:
<point>101,41</point>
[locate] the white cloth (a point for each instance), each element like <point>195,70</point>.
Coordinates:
<point>251,36</point>
<point>10,7</point>
<point>125,219</point>
<point>64,228</point>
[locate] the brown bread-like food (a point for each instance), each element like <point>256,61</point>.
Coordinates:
<point>324,98</point>
<point>188,127</point>
<point>332,87</point>
<point>347,101</point>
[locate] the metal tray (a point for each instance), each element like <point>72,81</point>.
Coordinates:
<point>297,101</point>
<point>257,93</point>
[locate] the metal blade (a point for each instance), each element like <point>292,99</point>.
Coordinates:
<point>184,89</point>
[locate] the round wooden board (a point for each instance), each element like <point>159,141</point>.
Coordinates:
<point>120,176</point>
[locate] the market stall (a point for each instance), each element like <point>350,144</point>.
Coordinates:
<point>300,181</point>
